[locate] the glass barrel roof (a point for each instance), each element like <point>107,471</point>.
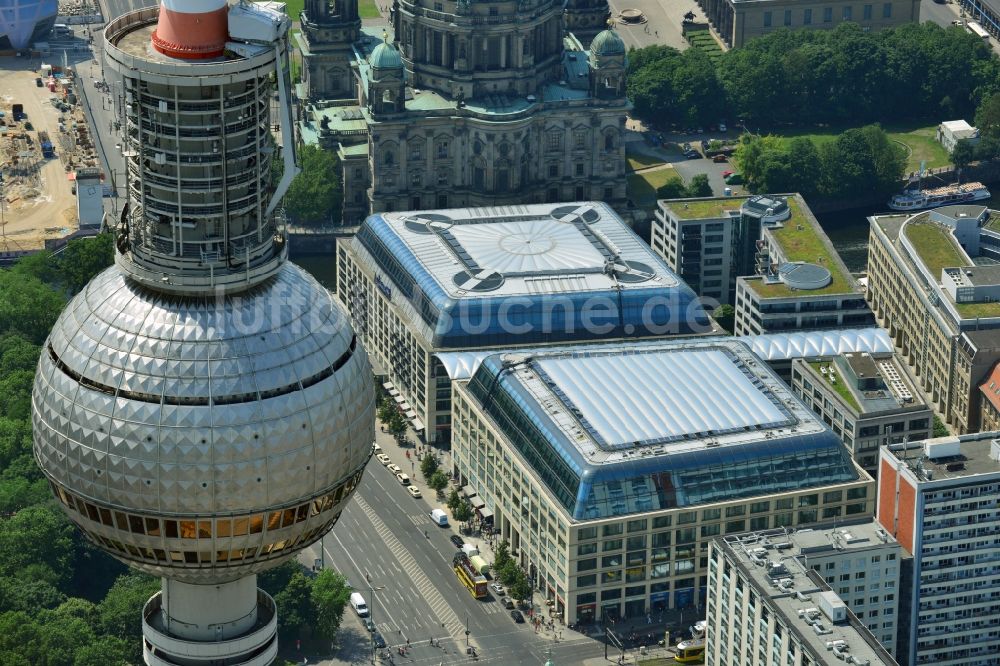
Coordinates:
<point>534,274</point>
<point>615,432</point>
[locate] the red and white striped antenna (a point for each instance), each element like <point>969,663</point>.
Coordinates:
<point>192,29</point>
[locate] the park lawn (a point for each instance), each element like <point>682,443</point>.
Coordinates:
<point>641,187</point>
<point>638,161</point>
<point>368,9</point>
<point>920,140</point>
<point>293,8</point>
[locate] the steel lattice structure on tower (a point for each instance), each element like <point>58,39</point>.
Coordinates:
<point>203,409</point>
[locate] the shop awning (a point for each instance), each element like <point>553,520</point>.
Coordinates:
<point>405,406</point>
<point>485,513</point>
<point>393,392</point>
<point>411,414</point>
<point>388,386</point>
<point>398,398</point>
<point>469,491</point>
<point>477,501</point>
<point>418,425</point>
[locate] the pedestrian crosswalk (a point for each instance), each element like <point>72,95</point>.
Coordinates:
<point>440,607</point>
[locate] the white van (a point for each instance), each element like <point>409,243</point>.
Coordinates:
<point>439,517</point>
<point>359,605</point>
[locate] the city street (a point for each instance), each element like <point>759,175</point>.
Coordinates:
<point>381,535</point>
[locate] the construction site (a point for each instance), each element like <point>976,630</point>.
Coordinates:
<point>44,138</point>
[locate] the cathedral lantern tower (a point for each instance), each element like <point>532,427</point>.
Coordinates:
<point>329,29</point>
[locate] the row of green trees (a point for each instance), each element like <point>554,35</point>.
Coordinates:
<point>675,188</point>
<point>311,607</point>
<point>392,419</point>
<point>858,160</point>
<point>843,76</point>
<point>63,602</point>
<point>507,571</point>
<point>434,477</point>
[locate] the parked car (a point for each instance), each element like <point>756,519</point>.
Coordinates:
<point>457,540</point>
<point>517,617</point>
<point>508,603</point>
<point>379,641</point>
<point>722,127</point>
<point>727,173</point>
<point>382,458</point>
<point>719,158</point>
<point>414,491</point>
<point>403,478</point>
<point>38,82</point>
<point>394,468</point>
<point>369,625</point>
<point>498,588</point>
<point>692,154</point>
<point>376,448</point>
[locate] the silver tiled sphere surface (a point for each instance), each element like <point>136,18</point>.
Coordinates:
<point>188,407</point>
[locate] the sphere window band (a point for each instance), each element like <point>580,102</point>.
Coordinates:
<point>196,529</point>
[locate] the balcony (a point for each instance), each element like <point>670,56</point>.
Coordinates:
<point>257,647</point>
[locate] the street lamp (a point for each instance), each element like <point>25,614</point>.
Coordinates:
<point>371,615</point>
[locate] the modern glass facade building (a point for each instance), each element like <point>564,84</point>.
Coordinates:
<point>448,280</point>
<point>609,470</point>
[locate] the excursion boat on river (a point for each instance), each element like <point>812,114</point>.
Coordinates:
<point>917,199</point>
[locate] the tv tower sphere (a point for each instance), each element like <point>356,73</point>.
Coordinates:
<point>203,409</point>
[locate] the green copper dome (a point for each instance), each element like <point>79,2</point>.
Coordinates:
<point>385,56</point>
<point>607,43</point>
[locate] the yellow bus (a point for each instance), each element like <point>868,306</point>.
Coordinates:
<point>473,580</point>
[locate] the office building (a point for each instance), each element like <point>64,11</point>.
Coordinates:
<point>940,498</point>
<point>609,470</point>
<point>869,400</point>
<point>738,21</point>
<point>421,282</point>
<point>769,605</point>
<point>467,104</point>
<point>799,281</point>
<point>989,401</point>
<point>709,242</point>
<point>938,303</point>
<point>189,421</point>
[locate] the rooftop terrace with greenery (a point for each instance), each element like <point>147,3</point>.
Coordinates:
<point>938,249</point>
<point>840,388</point>
<point>704,209</point>
<point>801,239</point>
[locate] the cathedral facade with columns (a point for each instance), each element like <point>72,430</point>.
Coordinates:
<point>469,103</point>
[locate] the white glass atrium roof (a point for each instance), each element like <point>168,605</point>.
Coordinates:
<point>640,397</point>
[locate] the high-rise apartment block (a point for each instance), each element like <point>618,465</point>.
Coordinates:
<point>869,400</point>
<point>770,605</point>
<point>422,282</point>
<point>938,302</point>
<point>941,500</point>
<point>609,469</point>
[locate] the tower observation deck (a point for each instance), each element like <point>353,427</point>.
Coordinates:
<point>203,409</point>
